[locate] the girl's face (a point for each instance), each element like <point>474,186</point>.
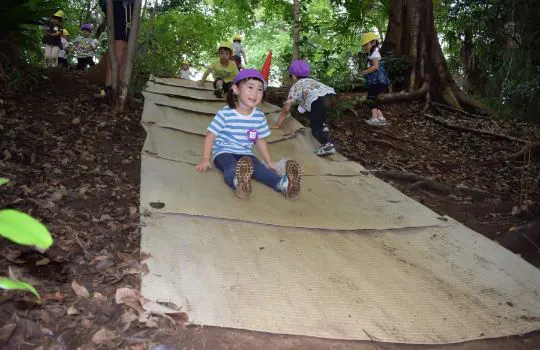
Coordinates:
<point>224,54</point>
<point>85,33</point>
<point>250,93</point>
<point>185,67</point>
<point>55,20</point>
<point>367,47</point>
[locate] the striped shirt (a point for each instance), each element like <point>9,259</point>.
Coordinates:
<point>236,133</point>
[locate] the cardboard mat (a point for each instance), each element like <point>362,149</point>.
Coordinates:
<point>436,285</point>
<point>353,258</point>
<point>327,202</point>
<point>192,84</point>
<point>186,147</point>
<point>196,123</point>
<point>206,107</point>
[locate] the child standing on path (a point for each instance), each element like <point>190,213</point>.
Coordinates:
<point>52,39</point>
<point>85,47</point>
<point>311,96</point>
<point>238,51</point>
<point>222,69</point>
<point>376,78</point>
<point>232,134</point>
<point>62,55</point>
<point>184,72</point>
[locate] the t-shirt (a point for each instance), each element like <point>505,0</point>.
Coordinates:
<point>236,133</point>
<point>305,91</point>
<point>53,40</point>
<point>237,49</point>
<point>226,73</point>
<point>374,56</point>
<point>84,47</point>
<point>184,74</point>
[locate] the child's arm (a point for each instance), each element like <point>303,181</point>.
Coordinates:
<point>205,75</point>
<point>207,152</point>
<point>262,147</point>
<point>283,114</point>
<point>373,68</point>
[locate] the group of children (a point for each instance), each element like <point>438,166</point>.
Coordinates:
<point>58,47</point>
<point>240,125</point>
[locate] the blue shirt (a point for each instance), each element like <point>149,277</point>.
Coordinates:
<point>236,133</point>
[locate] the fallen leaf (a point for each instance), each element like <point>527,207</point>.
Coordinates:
<point>138,346</point>
<point>157,205</point>
<point>76,121</point>
<point>130,297</point>
<point>6,331</point>
<point>72,311</point>
<point>145,256</point>
<point>43,261</point>
<point>124,256</point>
<point>58,296</point>
<point>103,335</point>
<point>86,323</point>
<point>80,290</point>
<point>98,295</point>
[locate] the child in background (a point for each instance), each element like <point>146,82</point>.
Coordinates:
<point>238,51</point>
<point>184,72</point>
<point>376,78</point>
<point>62,55</point>
<point>52,39</point>
<point>232,134</point>
<point>85,47</point>
<point>311,96</point>
<point>222,69</point>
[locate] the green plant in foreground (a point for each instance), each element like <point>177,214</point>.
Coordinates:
<point>23,229</point>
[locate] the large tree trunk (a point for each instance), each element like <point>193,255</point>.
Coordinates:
<point>112,46</point>
<point>130,57</point>
<point>411,32</point>
<point>296,29</point>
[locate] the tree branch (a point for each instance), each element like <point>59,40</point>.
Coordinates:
<point>474,131</point>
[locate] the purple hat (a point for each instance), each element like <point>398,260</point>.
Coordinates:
<point>86,26</point>
<point>249,73</point>
<point>300,68</point>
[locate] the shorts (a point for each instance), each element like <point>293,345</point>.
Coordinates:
<point>238,59</point>
<point>226,86</point>
<point>121,30</point>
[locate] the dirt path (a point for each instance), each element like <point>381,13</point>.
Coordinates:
<point>76,168</point>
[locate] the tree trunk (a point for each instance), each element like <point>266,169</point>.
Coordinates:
<point>130,57</point>
<point>411,32</point>
<point>112,46</point>
<point>296,29</point>
<point>475,81</point>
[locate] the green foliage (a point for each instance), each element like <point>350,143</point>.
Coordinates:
<point>22,229</point>
<point>11,284</point>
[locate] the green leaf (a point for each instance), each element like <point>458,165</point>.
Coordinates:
<point>23,229</point>
<point>3,181</point>
<point>9,284</point>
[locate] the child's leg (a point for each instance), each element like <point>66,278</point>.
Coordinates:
<point>48,55</point>
<point>265,175</point>
<point>81,64</point>
<point>55,52</point>
<point>226,162</point>
<point>371,100</point>
<point>317,117</point>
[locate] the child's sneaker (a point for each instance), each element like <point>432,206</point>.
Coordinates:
<point>242,178</point>
<point>326,149</point>
<point>290,182</point>
<point>376,122</point>
<point>325,128</point>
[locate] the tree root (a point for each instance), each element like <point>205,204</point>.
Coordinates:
<point>534,149</point>
<point>475,131</point>
<point>419,181</point>
<point>392,97</point>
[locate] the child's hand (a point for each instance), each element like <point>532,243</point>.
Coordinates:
<point>272,165</point>
<point>203,165</point>
<point>275,126</point>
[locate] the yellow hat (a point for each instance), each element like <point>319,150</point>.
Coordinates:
<point>65,32</point>
<point>185,62</point>
<point>368,37</point>
<point>226,45</point>
<point>59,14</point>
<point>237,37</point>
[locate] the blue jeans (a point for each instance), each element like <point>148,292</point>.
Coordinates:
<point>226,162</point>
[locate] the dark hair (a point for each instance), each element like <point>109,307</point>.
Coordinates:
<point>225,48</point>
<point>374,47</point>
<point>231,98</point>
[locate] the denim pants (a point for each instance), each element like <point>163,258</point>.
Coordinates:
<point>226,162</point>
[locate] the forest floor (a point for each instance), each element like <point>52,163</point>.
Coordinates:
<point>77,168</point>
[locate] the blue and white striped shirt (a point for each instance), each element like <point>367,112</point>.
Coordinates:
<point>236,133</point>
